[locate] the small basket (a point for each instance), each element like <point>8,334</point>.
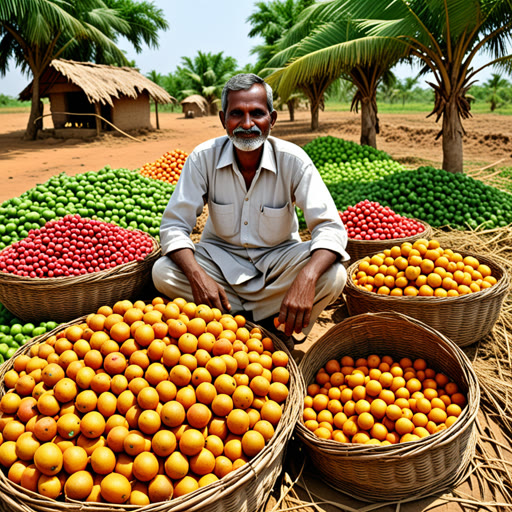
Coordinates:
<point>243,490</point>
<point>407,470</point>
<point>64,298</point>
<point>464,319</point>
<point>358,249</point>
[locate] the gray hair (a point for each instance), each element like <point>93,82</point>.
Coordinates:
<point>243,82</point>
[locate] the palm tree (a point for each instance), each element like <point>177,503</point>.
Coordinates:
<point>34,32</point>
<point>405,87</point>
<point>270,21</point>
<point>327,44</point>
<point>497,88</point>
<point>206,75</point>
<point>446,36</point>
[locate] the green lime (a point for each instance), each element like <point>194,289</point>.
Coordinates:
<point>11,352</point>
<point>16,329</point>
<point>28,328</point>
<point>4,348</point>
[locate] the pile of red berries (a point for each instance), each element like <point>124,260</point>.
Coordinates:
<point>369,220</point>
<point>73,246</point>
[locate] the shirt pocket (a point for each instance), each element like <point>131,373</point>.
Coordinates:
<point>223,219</point>
<point>275,224</point>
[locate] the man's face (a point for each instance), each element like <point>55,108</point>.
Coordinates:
<point>247,120</point>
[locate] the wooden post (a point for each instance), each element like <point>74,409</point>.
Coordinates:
<point>97,109</point>
<point>156,112</point>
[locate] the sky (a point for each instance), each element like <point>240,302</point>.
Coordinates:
<point>196,25</point>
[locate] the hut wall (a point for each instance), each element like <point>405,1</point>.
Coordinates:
<point>131,114</point>
<point>58,103</point>
<point>194,107</point>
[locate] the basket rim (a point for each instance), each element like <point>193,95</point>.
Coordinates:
<point>124,268</point>
<point>500,287</point>
<point>407,449</point>
<point>426,231</point>
<point>214,491</point>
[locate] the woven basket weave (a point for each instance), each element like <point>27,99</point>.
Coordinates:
<point>64,298</point>
<point>358,249</point>
<point>405,470</point>
<point>243,490</point>
<point>464,319</point>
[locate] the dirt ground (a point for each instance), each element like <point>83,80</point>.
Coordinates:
<point>409,139</point>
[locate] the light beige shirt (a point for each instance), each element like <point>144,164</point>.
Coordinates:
<point>244,225</point>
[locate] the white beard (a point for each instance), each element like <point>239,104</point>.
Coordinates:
<point>248,144</point>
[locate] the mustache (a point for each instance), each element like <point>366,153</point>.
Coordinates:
<point>252,130</point>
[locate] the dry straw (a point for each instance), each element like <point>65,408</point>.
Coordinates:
<point>358,249</point>
<point>464,319</point>
<point>243,490</point>
<point>64,298</point>
<point>406,470</point>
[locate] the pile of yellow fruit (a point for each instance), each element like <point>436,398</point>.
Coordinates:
<point>377,400</point>
<point>422,268</point>
<point>140,403</point>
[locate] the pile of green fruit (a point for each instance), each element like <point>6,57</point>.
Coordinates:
<point>119,196</point>
<point>333,150</point>
<point>14,333</point>
<point>442,198</point>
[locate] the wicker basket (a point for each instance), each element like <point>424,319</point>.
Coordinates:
<point>464,319</point>
<point>358,249</point>
<point>405,470</point>
<point>64,298</point>
<point>243,490</point>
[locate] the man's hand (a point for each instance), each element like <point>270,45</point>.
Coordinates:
<point>298,302</point>
<point>204,289</point>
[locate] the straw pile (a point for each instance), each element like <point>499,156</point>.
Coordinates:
<point>487,484</point>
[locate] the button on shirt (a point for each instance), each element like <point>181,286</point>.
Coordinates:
<point>244,225</point>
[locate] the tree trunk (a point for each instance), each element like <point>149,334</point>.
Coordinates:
<point>368,123</point>
<point>31,132</point>
<point>314,116</point>
<point>452,139</point>
<point>291,109</point>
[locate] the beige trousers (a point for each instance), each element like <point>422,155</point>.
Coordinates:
<point>263,302</point>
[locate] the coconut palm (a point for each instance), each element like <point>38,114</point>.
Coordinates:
<point>497,91</point>
<point>206,75</point>
<point>270,21</point>
<point>446,35</point>
<point>405,87</point>
<point>34,32</point>
<point>327,44</point>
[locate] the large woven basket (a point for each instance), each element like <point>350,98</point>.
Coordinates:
<point>406,470</point>
<point>64,298</point>
<point>243,490</point>
<point>464,319</point>
<point>358,249</point>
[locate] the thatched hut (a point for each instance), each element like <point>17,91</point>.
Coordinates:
<point>120,95</point>
<point>194,106</point>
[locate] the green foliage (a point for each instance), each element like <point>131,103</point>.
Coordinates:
<point>9,101</point>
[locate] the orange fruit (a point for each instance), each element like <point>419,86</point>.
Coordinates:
<point>115,488</point>
<point>48,459</point>
<point>78,485</point>
<point>103,460</point>
<point>145,466</point>
<point>191,442</point>
<point>176,465</point>
<point>92,425</point>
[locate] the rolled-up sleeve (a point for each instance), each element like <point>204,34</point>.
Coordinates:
<point>185,205</point>
<point>322,217</point>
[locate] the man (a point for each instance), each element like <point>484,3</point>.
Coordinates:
<point>250,258</point>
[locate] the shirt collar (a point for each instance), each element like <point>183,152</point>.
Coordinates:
<point>227,156</point>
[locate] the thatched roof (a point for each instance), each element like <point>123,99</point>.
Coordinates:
<point>198,100</point>
<point>100,82</point>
